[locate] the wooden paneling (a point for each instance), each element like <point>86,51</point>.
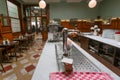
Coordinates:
<point>84,42</point>
<point>6,29</point>
<point>79,25</point>
<point>44,35</point>
<point>16,35</point>
<point>106,26</point>
<point>8,36</point>
<point>118,24</point>
<point>113,24</point>
<point>1,40</point>
<point>23,27</point>
<point>84,25</point>
<point>65,24</point>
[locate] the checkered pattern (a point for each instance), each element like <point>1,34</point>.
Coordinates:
<point>80,76</point>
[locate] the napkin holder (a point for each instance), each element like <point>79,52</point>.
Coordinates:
<point>68,63</point>
<point>6,42</point>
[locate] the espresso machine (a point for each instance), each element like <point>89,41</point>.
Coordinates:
<point>53,32</point>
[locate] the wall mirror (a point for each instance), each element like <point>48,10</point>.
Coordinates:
<point>6,21</point>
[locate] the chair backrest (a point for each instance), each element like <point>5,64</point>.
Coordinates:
<point>0,55</point>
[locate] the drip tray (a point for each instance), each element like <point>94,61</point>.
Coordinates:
<point>80,62</point>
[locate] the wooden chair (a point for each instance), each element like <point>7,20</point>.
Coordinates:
<point>2,67</point>
<point>13,50</point>
<point>1,59</point>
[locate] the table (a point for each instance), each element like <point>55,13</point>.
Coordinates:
<point>21,41</point>
<point>30,38</point>
<point>7,48</point>
<point>80,76</point>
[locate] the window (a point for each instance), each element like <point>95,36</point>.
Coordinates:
<point>13,13</point>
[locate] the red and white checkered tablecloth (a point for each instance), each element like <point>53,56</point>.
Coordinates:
<point>80,76</point>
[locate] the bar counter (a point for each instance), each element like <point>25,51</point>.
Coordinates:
<point>108,41</point>
<point>48,63</point>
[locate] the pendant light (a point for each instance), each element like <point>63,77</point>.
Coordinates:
<point>92,3</point>
<point>42,4</point>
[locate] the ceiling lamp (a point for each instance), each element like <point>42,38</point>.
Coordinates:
<point>42,4</point>
<point>92,3</point>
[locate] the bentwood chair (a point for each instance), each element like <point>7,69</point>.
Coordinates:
<point>2,67</point>
<point>1,59</point>
<point>14,49</point>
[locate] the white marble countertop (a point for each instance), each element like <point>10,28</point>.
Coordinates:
<point>97,63</point>
<point>111,42</point>
<point>48,63</point>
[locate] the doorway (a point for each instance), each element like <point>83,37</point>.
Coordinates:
<point>37,20</point>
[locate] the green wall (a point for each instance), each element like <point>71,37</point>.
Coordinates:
<point>65,10</point>
<point>3,7</point>
<point>106,9</point>
<point>110,8</point>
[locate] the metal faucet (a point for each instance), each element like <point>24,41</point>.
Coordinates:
<point>65,34</point>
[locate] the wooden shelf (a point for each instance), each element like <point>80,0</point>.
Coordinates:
<point>6,32</point>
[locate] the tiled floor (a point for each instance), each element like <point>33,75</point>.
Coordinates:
<point>23,68</point>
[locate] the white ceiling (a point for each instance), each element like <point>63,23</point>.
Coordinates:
<point>52,1</point>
